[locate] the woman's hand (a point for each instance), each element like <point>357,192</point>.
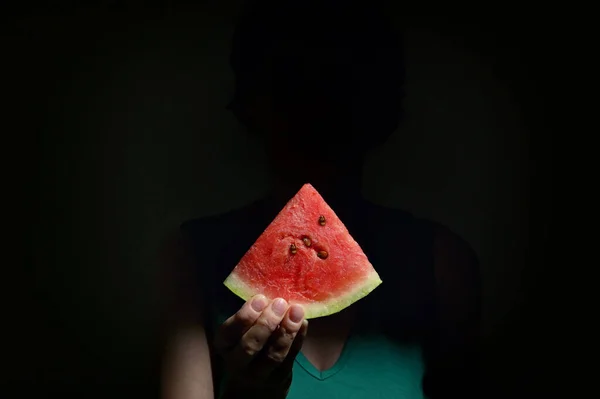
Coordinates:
<point>258,345</point>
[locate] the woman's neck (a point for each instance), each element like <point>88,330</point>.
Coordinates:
<point>343,192</point>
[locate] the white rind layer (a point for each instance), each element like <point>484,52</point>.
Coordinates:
<point>313,310</point>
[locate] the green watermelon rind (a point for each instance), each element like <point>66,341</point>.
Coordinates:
<point>313,310</point>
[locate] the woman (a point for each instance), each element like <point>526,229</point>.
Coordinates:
<point>321,83</point>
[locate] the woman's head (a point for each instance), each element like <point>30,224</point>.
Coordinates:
<point>320,80</point>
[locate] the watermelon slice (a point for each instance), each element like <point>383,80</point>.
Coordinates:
<point>306,256</point>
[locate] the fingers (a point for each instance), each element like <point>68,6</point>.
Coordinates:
<point>257,336</point>
<point>288,363</point>
<point>284,371</point>
<point>281,344</point>
<point>232,330</point>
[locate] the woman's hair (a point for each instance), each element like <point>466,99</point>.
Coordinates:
<point>340,54</point>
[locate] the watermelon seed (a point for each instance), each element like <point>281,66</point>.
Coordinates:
<point>322,254</point>
<point>322,220</point>
<point>307,241</point>
<point>293,249</point>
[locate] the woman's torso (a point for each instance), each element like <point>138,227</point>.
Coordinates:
<point>382,358</point>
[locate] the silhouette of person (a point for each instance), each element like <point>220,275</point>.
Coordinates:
<point>321,83</point>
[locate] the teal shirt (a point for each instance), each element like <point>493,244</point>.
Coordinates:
<point>370,366</point>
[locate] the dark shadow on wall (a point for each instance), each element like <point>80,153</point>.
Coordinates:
<point>100,161</point>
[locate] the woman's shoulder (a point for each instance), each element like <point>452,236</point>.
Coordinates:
<point>215,226</point>
<point>437,249</point>
<point>438,233</point>
<point>401,225</point>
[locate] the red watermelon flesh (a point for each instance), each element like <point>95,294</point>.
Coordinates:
<point>306,256</point>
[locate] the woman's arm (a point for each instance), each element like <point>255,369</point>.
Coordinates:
<point>257,345</point>
<point>186,372</point>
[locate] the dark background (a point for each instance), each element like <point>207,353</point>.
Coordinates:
<point>117,131</point>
